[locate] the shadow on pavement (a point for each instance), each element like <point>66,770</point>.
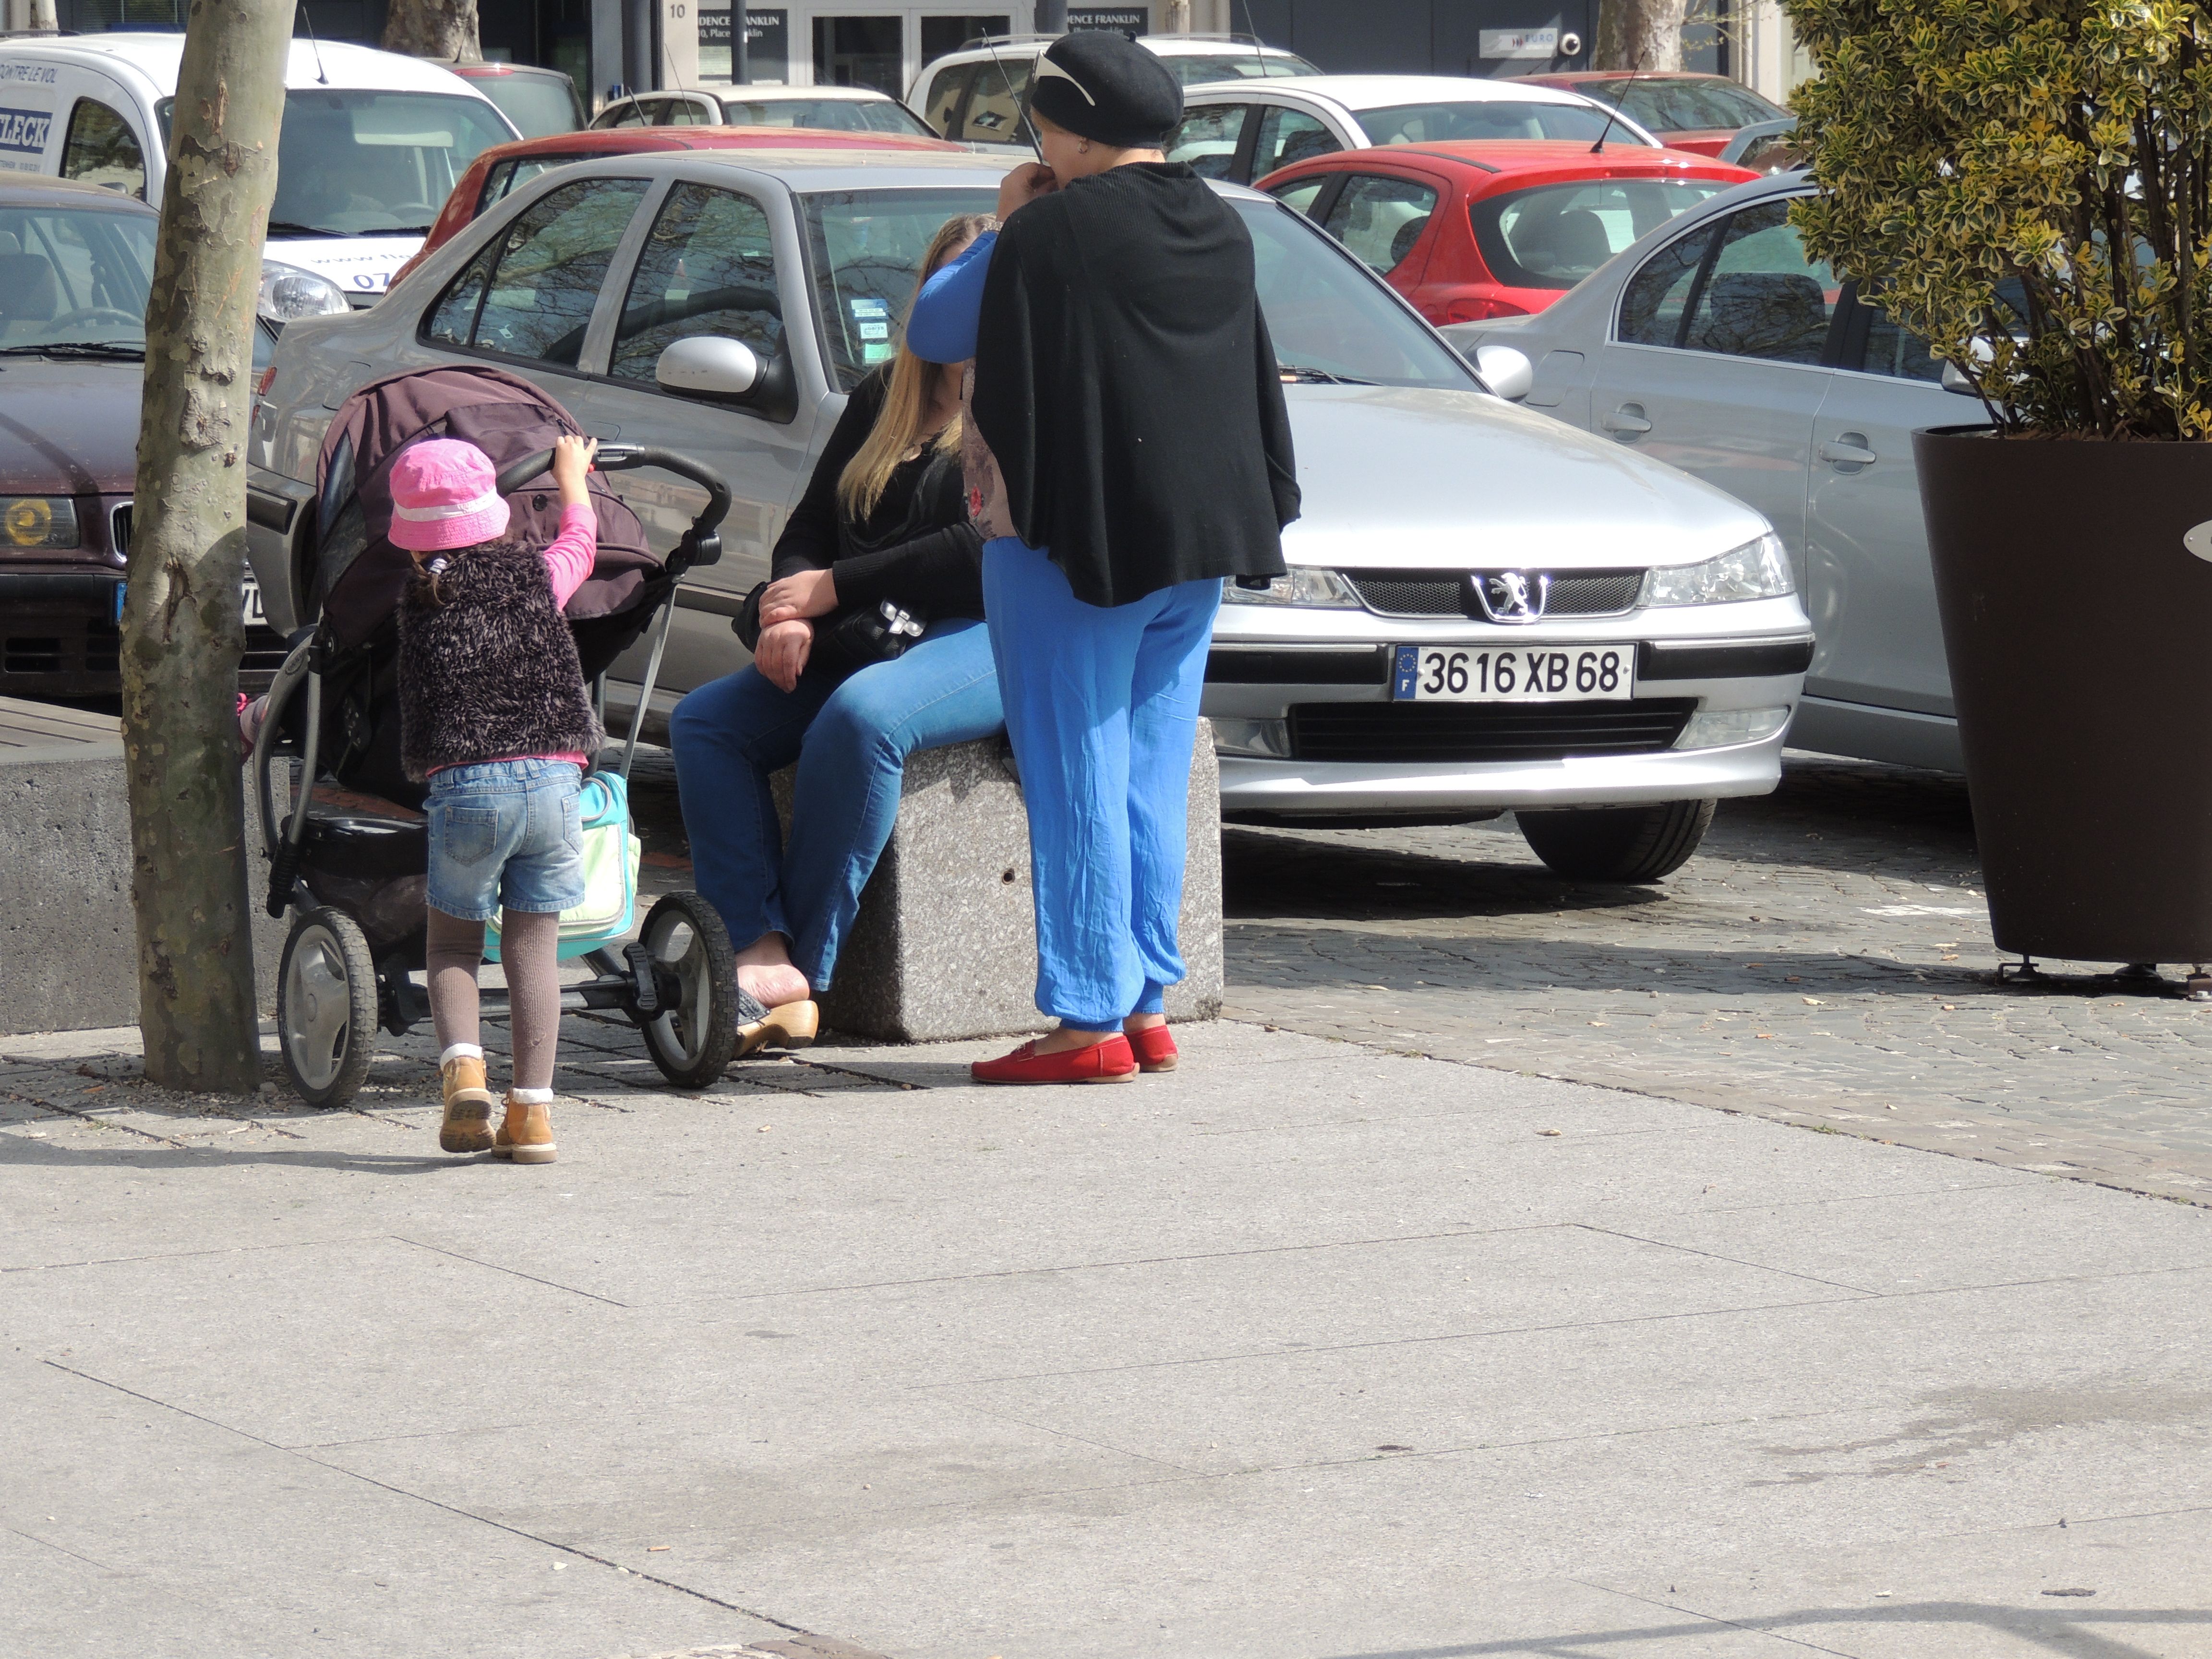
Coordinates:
<point>2081,1633</point>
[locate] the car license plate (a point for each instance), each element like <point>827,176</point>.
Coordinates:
<point>249,603</point>
<point>1514,673</point>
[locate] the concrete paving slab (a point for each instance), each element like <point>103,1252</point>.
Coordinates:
<point>1556,1381</point>
<point>276,1554</point>
<point>1997,1235</point>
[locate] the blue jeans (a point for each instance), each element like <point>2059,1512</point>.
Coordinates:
<point>1102,703</point>
<point>506,834</point>
<point>851,741</point>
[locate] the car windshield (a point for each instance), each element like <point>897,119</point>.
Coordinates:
<point>371,163</point>
<point>835,114</point>
<point>1192,68</point>
<point>1554,236</point>
<point>1487,118</point>
<point>541,106</point>
<point>75,279</point>
<point>1331,320</point>
<point>866,248</point>
<point>1692,104</point>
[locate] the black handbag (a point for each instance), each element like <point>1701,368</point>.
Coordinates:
<point>846,643</point>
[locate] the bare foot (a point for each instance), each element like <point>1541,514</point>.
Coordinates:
<point>1067,1037</point>
<point>765,972</point>
<point>1143,1022</point>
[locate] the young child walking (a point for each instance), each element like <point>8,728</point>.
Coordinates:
<point>495,717</point>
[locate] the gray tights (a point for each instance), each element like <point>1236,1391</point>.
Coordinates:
<point>527,947</point>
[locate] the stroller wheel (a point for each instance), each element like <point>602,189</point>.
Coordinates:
<point>326,1007</point>
<point>692,1042</point>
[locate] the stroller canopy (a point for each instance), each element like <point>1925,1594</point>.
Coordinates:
<point>359,575</point>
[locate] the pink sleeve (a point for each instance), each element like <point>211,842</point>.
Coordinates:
<point>569,554</point>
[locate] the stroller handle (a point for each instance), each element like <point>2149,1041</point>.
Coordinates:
<point>622,457</point>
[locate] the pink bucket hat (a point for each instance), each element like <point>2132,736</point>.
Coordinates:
<point>444,496</point>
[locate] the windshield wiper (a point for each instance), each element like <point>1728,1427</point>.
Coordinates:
<point>293,227</point>
<point>66,347</point>
<point>1299,372</point>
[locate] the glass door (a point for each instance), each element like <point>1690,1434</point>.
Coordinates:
<point>861,52</point>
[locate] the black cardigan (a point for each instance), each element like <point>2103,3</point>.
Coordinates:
<point>1127,386</point>
<point>936,573</point>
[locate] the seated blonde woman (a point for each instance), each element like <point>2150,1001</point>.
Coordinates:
<point>884,518</point>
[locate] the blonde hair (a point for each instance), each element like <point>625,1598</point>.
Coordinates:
<point>906,399</point>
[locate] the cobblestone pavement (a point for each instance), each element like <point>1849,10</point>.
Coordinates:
<point>1826,960</point>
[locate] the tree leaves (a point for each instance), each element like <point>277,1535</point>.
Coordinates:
<point>1979,162</point>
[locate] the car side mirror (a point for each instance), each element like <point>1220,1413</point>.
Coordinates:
<point>706,365</point>
<point>1955,381</point>
<point>1505,371</point>
<point>726,371</point>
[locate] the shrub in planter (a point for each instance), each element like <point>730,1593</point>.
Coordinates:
<point>2028,185</point>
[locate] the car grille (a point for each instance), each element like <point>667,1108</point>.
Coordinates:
<point>1424,594</point>
<point>43,643</point>
<point>1387,731</point>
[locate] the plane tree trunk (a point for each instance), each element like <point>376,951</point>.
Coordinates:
<point>181,628</point>
<point>1639,34</point>
<point>433,28</point>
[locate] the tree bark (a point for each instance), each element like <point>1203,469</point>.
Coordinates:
<point>436,28</point>
<point>181,629</point>
<point>1639,34</point>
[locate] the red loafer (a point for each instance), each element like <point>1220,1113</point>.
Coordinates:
<point>1110,1061</point>
<point>1154,1048</point>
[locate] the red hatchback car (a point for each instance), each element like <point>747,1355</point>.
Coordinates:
<point>501,169</point>
<point>1497,228</point>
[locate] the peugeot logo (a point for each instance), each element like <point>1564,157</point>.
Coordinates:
<point>1512,596</point>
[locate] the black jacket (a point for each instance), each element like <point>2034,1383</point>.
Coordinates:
<point>917,548</point>
<point>492,672</point>
<point>1128,389</point>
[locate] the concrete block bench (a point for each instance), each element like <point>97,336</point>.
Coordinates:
<point>944,947</point>
<point>69,941</point>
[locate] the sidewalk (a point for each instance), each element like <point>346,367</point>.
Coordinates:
<point>1305,1351</point>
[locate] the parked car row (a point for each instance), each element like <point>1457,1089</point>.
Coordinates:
<point>1486,610</point>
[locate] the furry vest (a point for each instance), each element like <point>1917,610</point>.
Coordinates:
<point>492,672</point>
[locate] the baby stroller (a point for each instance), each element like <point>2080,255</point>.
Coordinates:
<point>347,854</point>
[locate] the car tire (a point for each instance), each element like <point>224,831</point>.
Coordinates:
<point>1619,843</point>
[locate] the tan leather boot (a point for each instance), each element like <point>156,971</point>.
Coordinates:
<point>467,1127</point>
<point>527,1135</point>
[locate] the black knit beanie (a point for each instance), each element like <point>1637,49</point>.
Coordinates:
<point>1106,88</point>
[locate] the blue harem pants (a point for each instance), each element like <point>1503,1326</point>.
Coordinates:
<point>1102,706</point>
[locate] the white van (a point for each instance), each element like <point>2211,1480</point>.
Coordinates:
<point>371,145</point>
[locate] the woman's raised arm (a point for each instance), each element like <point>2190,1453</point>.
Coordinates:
<point>950,307</point>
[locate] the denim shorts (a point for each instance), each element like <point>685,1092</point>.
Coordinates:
<point>506,834</point>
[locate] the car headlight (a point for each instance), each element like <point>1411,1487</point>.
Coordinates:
<point>27,521</point>
<point>289,293</point>
<point>1757,571</point>
<point>1302,585</point>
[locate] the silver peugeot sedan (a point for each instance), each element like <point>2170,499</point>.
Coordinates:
<point>1716,345</point>
<point>1485,611</point>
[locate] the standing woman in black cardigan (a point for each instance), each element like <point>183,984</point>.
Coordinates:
<point>1127,449</point>
<point>883,519</point>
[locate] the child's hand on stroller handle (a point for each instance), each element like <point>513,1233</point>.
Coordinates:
<point>572,461</point>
